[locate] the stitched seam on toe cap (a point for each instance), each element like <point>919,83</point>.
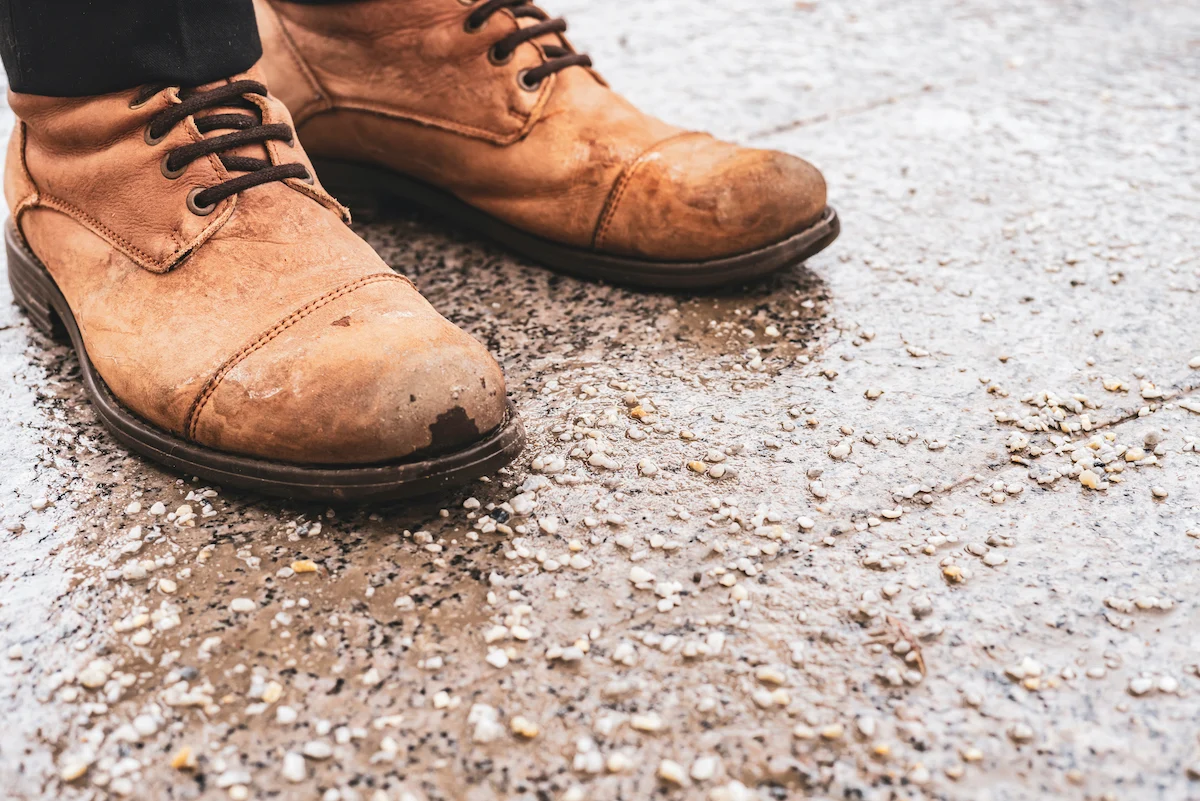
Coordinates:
<point>609,212</point>
<point>192,420</point>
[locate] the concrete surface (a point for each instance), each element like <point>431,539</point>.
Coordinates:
<point>901,585</point>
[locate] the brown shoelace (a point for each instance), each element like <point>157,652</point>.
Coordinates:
<point>246,129</point>
<point>559,58</point>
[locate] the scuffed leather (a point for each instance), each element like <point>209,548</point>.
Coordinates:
<point>268,328</point>
<point>321,399</point>
<point>401,84</point>
<point>715,192</point>
<point>19,188</point>
<point>411,60</point>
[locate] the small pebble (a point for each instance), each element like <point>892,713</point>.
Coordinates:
<point>318,749</point>
<point>646,723</point>
<point>672,772</point>
<point>704,768</point>
<point>523,727</point>
<point>833,731</point>
<point>242,605</point>
<point>1140,686</point>
<point>1020,733</point>
<point>294,770</point>
<point>184,759</point>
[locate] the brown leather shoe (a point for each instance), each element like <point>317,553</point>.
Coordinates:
<point>228,323</point>
<point>484,113</point>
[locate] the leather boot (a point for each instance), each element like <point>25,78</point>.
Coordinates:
<point>227,321</point>
<point>484,113</point>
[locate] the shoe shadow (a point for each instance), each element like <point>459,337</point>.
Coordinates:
<point>484,288</point>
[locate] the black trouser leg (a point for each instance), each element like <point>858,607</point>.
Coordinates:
<point>74,48</point>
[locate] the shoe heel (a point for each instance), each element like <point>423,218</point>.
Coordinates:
<point>31,286</point>
<point>350,184</point>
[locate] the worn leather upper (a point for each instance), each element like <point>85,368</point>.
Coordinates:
<point>405,85</point>
<point>267,328</point>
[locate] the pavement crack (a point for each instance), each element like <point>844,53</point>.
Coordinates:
<point>852,111</point>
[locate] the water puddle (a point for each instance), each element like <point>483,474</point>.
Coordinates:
<point>783,315</point>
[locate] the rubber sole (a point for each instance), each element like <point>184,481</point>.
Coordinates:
<point>36,292</point>
<point>364,188</point>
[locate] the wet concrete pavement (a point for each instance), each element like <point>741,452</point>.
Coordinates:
<point>919,520</point>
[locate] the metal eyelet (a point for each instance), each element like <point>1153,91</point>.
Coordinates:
<point>308,178</point>
<point>526,85</point>
<point>199,211</point>
<point>167,172</point>
<point>154,140</point>
<point>469,28</point>
<point>496,60</point>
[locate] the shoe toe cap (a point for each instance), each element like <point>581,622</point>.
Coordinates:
<point>694,197</point>
<point>374,376</point>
